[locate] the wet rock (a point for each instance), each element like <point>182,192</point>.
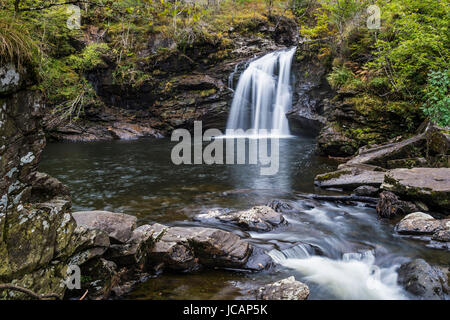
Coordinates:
<point>430,185</point>
<point>279,205</point>
<point>119,226</point>
<point>366,191</point>
<point>422,280</point>
<point>134,252</point>
<point>389,206</point>
<point>259,218</point>
<point>350,178</point>
<point>189,247</point>
<point>419,223</point>
<point>172,256</point>
<point>286,289</point>
<point>442,235</point>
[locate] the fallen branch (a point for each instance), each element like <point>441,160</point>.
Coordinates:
<point>8,286</point>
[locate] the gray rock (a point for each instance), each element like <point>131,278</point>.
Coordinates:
<point>350,178</point>
<point>419,223</point>
<point>379,155</point>
<point>422,280</point>
<point>188,247</point>
<point>10,79</point>
<point>430,185</point>
<point>366,191</point>
<point>260,218</point>
<point>119,226</point>
<point>279,205</point>
<point>134,252</point>
<point>286,289</point>
<point>389,206</point>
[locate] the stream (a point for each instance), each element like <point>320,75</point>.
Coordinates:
<point>340,251</point>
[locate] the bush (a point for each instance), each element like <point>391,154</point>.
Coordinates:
<point>437,97</point>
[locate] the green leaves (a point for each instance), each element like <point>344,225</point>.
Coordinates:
<point>437,97</point>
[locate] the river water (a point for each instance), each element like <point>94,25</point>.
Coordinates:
<point>340,251</point>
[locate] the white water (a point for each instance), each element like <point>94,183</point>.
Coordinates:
<point>355,276</point>
<point>264,95</point>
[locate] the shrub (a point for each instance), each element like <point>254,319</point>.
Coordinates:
<point>437,97</point>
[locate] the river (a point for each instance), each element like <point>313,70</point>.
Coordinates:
<point>340,251</point>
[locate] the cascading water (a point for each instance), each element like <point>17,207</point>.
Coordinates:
<point>264,95</point>
<point>355,276</point>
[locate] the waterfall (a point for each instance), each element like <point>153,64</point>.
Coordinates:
<point>263,95</point>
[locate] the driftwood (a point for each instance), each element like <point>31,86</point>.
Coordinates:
<point>8,286</point>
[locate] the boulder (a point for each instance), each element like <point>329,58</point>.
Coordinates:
<point>134,252</point>
<point>119,226</point>
<point>422,280</point>
<point>419,223</point>
<point>259,218</point>
<point>286,289</point>
<point>350,178</point>
<point>430,185</point>
<point>279,205</point>
<point>389,206</point>
<point>188,247</point>
<point>366,191</point>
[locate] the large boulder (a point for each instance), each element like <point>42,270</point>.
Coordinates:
<point>259,218</point>
<point>430,185</point>
<point>36,233</point>
<point>119,226</point>
<point>286,289</point>
<point>419,223</point>
<point>192,246</point>
<point>389,206</point>
<point>422,280</point>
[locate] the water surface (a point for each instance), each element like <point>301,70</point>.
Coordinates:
<point>340,251</point>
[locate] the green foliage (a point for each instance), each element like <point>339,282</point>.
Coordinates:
<point>437,97</point>
<point>16,43</point>
<point>89,58</point>
<point>339,77</point>
<point>413,41</point>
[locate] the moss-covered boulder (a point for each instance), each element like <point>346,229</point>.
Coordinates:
<point>430,185</point>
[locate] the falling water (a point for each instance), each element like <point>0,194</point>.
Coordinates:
<point>355,276</point>
<point>263,95</point>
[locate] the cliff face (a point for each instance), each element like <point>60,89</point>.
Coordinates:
<point>34,237</point>
<point>181,85</point>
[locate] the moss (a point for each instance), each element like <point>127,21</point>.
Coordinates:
<point>332,175</point>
